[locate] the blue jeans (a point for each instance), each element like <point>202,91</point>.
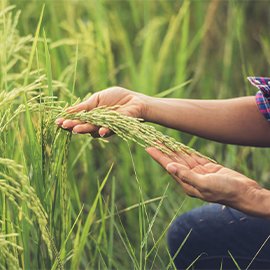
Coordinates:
<point>216,230</point>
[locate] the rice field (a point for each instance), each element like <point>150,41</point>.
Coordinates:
<point>69,201</point>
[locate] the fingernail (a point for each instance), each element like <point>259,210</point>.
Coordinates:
<point>102,134</point>
<point>172,169</point>
<point>63,126</point>
<point>74,132</point>
<point>57,121</point>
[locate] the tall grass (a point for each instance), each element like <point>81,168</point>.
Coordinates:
<point>78,203</point>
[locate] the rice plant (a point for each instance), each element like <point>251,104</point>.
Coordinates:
<point>75,202</point>
<point>9,251</point>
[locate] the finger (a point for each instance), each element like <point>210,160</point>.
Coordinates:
<point>69,124</point>
<point>164,159</point>
<point>104,132</point>
<point>87,105</point>
<point>188,159</point>
<point>190,190</point>
<point>173,168</point>
<point>158,156</point>
<point>85,128</point>
<point>178,157</point>
<point>185,174</point>
<point>193,178</point>
<point>79,107</point>
<point>200,160</point>
<point>212,167</point>
<point>59,121</point>
<point>200,169</point>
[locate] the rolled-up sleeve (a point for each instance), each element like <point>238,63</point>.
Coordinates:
<point>263,95</point>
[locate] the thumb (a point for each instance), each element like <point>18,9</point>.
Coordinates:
<point>190,177</point>
<point>86,105</point>
<point>184,173</point>
<point>174,168</point>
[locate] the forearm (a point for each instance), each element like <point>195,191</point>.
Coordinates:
<point>254,202</point>
<point>235,121</point>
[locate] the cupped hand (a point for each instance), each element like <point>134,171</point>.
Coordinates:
<point>206,180</point>
<point>132,104</point>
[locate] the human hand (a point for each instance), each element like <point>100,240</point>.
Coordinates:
<point>206,180</point>
<point>132,104</point>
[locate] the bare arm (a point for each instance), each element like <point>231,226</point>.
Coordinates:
<point>235,121</point>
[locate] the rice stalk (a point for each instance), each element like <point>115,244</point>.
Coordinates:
<point>10,114</point>
<point>14,50</point>
<point>130,128</point>
<point>9,97</point>
<point>16,187</point>
<point>7,248</point>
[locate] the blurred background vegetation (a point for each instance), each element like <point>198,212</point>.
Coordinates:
<point>151,47</point>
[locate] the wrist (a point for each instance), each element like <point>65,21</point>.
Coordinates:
<point>151,109</point>
<point>262,203</point>
<point>148,108</point>
<point>254,200</point>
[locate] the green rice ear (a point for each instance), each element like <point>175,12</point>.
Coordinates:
<point>130,128</point>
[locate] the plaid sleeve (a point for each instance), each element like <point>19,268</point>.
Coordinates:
<point>263,95</point>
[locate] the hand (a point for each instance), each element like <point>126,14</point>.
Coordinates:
<point>132,104</point>
<point>208,181</point>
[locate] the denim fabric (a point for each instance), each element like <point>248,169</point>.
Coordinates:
<point>215,230</point>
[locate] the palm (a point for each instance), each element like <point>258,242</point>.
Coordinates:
<point>202,165</point>
<point>212,169</point>
<point>203,179</point>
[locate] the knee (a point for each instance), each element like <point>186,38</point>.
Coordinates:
<point>177,235</point>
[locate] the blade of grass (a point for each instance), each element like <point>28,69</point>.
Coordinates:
<point>234,261</point>
<point>127,244</point>
<point>34,47</point>
<point>111,230</point>
<point>167,41</point>
<point>179,249</point>
<point>154,217</point>
<point>34,148</point>
<point>62,250</point>
<point>257,253</point>
<point>166,228</point>
<point>173,89</point>
<point>48,65</point>
<point>88,223</point>
<point>75,72</point>
<point>135,206</point>
<point>196,259</point>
